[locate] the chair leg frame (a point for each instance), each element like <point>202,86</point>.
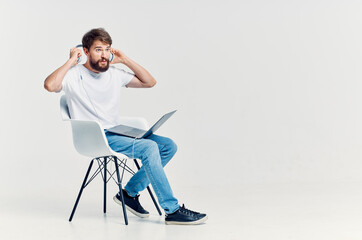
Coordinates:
<point>120,189</point>
<point>103,166</point>
<point>105,186</point>
<point>81,191</point>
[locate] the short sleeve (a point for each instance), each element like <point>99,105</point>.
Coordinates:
<point>68,79</point>
<point>124,76</point>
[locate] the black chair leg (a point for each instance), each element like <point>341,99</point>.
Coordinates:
<point>105,185</point>
<point>149,191</point>
<point>81,190</point>
<point>120,191</point>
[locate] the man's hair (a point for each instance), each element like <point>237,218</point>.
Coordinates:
<point>96,34</point>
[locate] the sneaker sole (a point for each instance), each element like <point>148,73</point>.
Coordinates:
<point>187,223</point>
<point>141,215</point>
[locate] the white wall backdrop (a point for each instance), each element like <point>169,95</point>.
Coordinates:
<point>266,91</point>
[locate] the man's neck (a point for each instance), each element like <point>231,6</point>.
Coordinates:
<point>87,66</point>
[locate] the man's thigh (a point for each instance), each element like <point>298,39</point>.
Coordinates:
<point>162,141</point>
<point>129,146</point>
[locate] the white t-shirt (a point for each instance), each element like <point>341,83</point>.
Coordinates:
<point>95,96</point>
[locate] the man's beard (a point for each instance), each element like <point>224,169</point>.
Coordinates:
<point>96,64</point>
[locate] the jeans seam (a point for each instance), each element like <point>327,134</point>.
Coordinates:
<point>160,198</point>
<point>150,176</point>
<point>139,182</point>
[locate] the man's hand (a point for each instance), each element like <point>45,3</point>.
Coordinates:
<point>119,57</point>
<point>142,78</point>
<point>74,54</point>
<point>53,83</point>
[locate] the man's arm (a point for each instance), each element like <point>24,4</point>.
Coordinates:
<point>53,83</point>
<point>142,78</point>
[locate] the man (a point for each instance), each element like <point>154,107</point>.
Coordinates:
<point>93,93</point>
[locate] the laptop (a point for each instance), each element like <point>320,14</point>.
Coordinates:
<point>139,133</point>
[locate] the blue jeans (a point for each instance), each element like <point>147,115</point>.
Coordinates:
<point>154,152</point>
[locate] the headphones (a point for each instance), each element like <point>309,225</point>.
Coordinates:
<point>111,56</point>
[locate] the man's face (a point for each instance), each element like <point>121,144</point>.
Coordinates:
<point>98,56</point>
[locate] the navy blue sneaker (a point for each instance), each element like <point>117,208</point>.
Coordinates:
<point>184,216</point>
<point>132,204</point>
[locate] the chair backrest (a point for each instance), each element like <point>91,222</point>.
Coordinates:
<point>64,110</point>
<point>89,139</point>
<point>88,136</point>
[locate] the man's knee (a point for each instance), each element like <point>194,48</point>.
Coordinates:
<point>149,146</point>
<point>171,146</point>
<point>150,151</point>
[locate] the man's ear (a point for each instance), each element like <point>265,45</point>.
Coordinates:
<point>86,52</point>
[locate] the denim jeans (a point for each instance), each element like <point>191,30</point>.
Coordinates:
<point>154,152</point>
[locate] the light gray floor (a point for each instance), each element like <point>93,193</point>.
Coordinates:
<point>265,211</point>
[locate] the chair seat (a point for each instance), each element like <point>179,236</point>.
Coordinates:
<point>120,155</point>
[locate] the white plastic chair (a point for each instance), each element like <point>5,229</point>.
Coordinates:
<point>89,140</point>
